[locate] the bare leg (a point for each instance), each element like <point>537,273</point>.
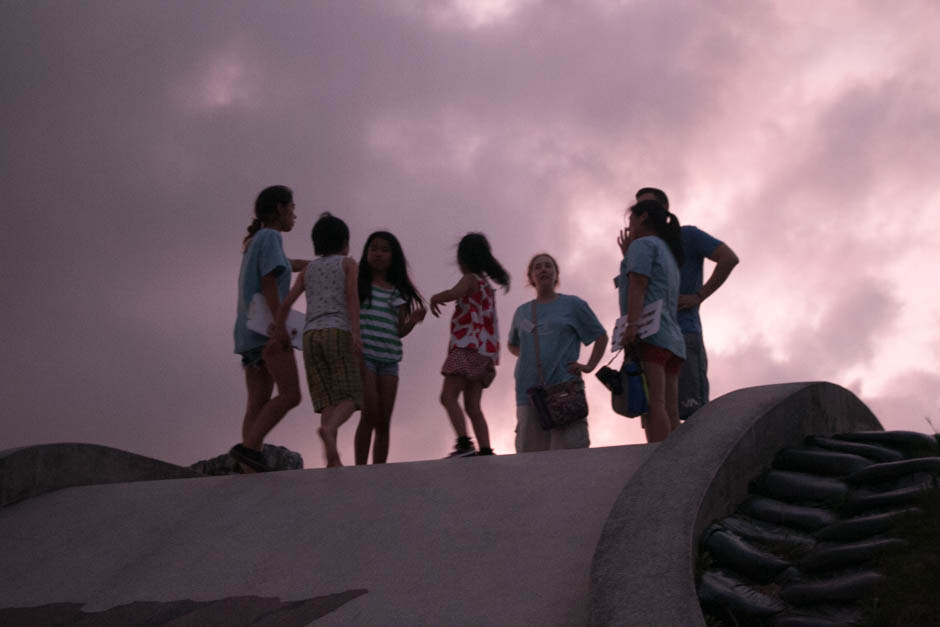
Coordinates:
<point>453,385</point>
<point>672,400</point>
<point>472,394</point>
<point>388,388</point>
<point>368,417</point>
<point>282,369</point>
<point>260,385</point>
<point>331,420</point>
<point>657,419</point>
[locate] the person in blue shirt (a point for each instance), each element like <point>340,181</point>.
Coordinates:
<point>267,362</point>
<point>563,324</point>
<point>697,245</point>
<point>649,272</point>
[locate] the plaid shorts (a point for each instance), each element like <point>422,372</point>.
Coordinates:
<point>332,368</point>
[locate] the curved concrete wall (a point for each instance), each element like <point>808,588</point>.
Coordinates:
<point>33,470</point>
<point>643,569</point>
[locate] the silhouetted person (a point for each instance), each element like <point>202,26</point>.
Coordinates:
<point>267,362</point>
<point>697,245</point>
<point>649,272</point>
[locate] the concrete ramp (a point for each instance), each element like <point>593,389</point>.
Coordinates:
<point>499,540</point>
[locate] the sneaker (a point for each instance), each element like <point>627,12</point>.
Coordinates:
<point>485,451</point>
<point>464,448</point>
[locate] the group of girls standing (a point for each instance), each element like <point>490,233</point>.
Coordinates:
<point>357,314</point>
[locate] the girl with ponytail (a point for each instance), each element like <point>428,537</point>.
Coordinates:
<point>652,254</point>
<point>473,350</point>
<point>265,269</point>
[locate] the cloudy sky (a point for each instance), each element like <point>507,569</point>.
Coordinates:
<point>136,136</point>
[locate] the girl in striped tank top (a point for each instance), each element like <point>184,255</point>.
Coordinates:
<point>389,308</point>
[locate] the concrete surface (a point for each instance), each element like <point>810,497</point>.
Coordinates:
<point>643,569</point>
<point>32,470</point>
<point>505,540</point>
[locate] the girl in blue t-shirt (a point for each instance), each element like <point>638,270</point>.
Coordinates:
<point>265,269</point>
<point>389,308</point>
<point>652,251</point>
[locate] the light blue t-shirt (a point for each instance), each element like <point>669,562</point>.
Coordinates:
<point>697,245</point>
<point>265,255</point>
<point>562,323</point>
<point>651,257</point>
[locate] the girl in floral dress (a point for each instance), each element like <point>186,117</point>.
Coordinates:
<point>473,350</point>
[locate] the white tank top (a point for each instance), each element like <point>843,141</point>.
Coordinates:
<point>325,285</point>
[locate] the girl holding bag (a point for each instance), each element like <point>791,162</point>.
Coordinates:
<point>546,335</point>
<point>652,254</point>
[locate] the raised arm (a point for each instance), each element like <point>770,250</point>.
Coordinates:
<point>466,286</point>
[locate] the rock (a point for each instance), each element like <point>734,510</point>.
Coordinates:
<point>277,458</point>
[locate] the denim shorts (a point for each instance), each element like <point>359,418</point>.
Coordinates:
<point>252,358</point>
<point>381,368</point>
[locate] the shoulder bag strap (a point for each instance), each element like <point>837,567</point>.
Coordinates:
<point>535,336</point>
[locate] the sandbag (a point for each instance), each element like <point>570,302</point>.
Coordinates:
<point>847,587</point>
<point>765,533</point>
<point>788,514</point>
<point>786,485</point>
<point>870,451</point>
<point>888,471</point>
<point>805,620</point>
<point>723,590</point>
<point>861,500</point>
<point>819,461</point>
<point>864,526</point>
<point>840,554</point>
<point>736,553</point>
<point>909,441</point>
<point>821,615</point>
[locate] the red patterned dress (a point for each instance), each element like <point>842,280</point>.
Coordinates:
<point>473,350</point>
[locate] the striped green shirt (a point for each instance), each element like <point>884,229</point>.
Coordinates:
<point>378,323</point>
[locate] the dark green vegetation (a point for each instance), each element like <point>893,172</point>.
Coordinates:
<point>911,592</point>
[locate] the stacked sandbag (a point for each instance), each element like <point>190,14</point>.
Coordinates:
<point>802,550</point>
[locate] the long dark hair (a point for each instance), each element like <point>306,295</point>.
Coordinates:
<point>266,208</point>
<point>397,273</point>
<point>664,223</point>
<point>473,253</point>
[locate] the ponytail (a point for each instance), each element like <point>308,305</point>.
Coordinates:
<point>253,228</point>
<point>664,223</point>
<point>266,209</point>
<point>673,238</point>
<point>497,272</point>
<point>474,253</point>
